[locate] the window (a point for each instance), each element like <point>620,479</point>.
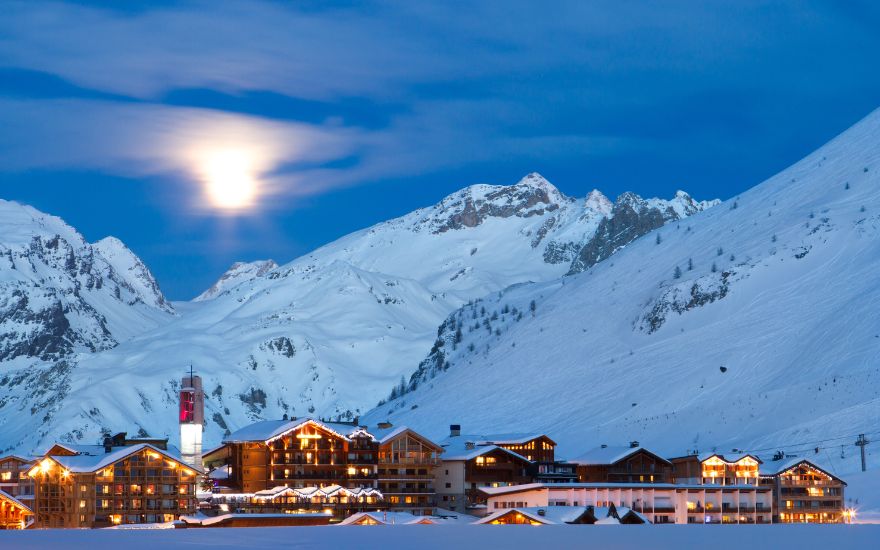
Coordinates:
<point>448,485</point>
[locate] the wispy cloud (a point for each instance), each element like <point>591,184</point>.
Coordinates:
<point>488,81</point>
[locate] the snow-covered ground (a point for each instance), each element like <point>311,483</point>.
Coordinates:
<point>426,537</point>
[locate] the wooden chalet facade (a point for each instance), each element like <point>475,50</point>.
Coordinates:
<point>14,480</point>
<point>805,493</point>
<point>392,468</point>
<point>716,469</point>
<point>13,514</point>
<point>120,482</point>
<point>633,464</point>
<point>298,453</point>
<point>407,461</point>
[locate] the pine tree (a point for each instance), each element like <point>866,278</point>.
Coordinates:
<point>532,307</point>
<point>714,267</point>
<point>720,251</point>
<point>659,240</point>
<point>690,264</point>
<point>677,273</point>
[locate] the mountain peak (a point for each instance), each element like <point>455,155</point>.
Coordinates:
<point>235,275</point>
<point>597,201</point>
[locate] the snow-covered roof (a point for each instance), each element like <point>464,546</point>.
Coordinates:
<point>86,463</point>
<point>4,496</point>
<point>309,492</point>
<point>494,439</point>
<point>776,468</point>
<point>390,518</point>
<point>510,489</point>
<point>604,456</point>
<point>459,451</point>
<point>267,430</point>
<point>730,458</point>
<point>384,435</point>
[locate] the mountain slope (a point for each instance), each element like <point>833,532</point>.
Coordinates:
<point>327,333</point>
<point>751,325</point>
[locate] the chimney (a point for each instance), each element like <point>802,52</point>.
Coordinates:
<point>108,444</point>
<point>384,425</point>
<point>284,417</point>
<point>469,445</point>
<point>633,444</point>
<point>542,512</point>
<point>454,430</point>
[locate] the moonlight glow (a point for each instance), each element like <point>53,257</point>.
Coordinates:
<point>230,180</point>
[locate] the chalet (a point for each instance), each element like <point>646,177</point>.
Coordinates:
<point>466,467</point>
<point>656,502</point>
<point>387,466</point>
<point>560,515</point>
<point>123,481</point>
<point>407,461</point>
<point>717,469</point>
<point>14,480</point>
<point>298,453</point>
<point>804,492</point>
<point>630,464</point>
<point>388,518</point>
<point>13,514</point>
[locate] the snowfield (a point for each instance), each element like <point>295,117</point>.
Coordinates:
<point>427,537</point>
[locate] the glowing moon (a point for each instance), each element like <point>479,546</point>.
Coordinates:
<point>230,180</point>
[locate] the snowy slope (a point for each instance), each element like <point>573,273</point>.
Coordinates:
<point>751,325</point>
<point>329,332</point>
<point>235,275</point>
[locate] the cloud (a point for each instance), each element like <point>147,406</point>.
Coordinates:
<point>436,86</point>
<point>139,139</point>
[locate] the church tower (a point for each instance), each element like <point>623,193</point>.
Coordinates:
<point>192,419</point>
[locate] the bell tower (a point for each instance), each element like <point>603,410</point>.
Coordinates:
<point>192,419</point>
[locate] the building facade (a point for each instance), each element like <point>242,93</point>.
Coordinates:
<point>632,464</point>
<point>14,480</point>
<point>805,493</point>
<point>657,502</point>
<point>120,482</point>
<point>407,463</point>
<point>717,469</point>
<point>13,514</point>
<point>391,467</point>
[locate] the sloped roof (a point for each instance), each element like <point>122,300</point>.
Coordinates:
<point>604,456</point>
<point>13,501</point>
<point>548,515</point>
<point>389,518</point>
<point>267,430</point>
<point>729,458</point>
<point>461,452</point>
<point>776,468</point>
<point>495,439</point>
<point>384,435</point>
<point>86,463</point>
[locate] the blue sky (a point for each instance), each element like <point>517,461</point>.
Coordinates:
<point>357,112</point>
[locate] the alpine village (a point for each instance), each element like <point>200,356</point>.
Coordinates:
<point>308,471</point>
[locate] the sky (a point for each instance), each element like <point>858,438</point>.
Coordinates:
<point>138,119</point>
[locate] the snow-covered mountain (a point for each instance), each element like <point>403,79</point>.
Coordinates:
<point>236,274</point>
<point>752,325</point>
<point>325,334</point>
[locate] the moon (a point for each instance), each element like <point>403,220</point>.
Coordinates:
<point>230,180</point>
